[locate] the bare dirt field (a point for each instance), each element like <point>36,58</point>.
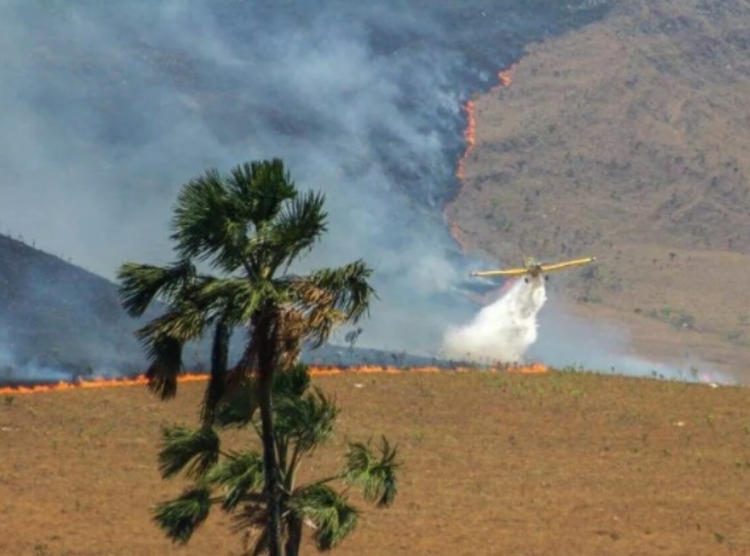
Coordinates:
<point>557,463</point>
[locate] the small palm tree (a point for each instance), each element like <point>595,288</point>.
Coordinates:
<point>304,418</point>
<point>248,228</point>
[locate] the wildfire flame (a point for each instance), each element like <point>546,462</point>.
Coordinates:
<point>470,137</point>
<point>505,78</point>
<point>535,368</point>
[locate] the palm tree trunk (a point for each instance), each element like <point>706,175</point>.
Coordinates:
<point>270,466</point>
<point>267,359</point>
<point>294,536</point>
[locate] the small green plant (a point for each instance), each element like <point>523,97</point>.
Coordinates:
<point>577,393</point>
<point>519,390</point>
<point>540,391</point>
<point>496,381</point>
<point>417,437</point>
<point>8,400</point>
<point>709,418</point>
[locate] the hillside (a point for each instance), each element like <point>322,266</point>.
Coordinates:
<point>627,140</point>
<point>563,464</point>
<point>57,319</point>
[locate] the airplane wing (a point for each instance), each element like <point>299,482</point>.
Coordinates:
<point>508,272</point>
<point>567,264</point>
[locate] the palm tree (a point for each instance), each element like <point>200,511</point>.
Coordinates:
<point>304,417</point>
<point>248,227</point>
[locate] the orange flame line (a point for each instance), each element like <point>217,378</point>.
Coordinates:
<point>505,78</point>
<point>534,368</point>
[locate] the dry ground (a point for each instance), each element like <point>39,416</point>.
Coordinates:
<point>562,463</point>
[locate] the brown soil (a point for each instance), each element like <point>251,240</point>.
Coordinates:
<point>626,140</point>
<point>561,463</point>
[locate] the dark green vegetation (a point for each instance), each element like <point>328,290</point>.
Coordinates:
<point>249,227</point>
<point>304,419</point>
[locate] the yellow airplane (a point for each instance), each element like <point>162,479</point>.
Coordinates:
<point>534,268</point>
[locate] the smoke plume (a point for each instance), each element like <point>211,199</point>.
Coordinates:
<point>108,107</point>
<point>503,330</point>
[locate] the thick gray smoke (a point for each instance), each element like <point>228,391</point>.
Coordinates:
<point>108,107</point>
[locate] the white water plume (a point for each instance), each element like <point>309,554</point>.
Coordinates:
<point>503,330</point>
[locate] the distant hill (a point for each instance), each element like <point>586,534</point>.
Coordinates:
<point>628,139</point>
<point>57,319</point>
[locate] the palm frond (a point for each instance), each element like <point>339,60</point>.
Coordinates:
<point>306,421</point>
<point>193,451</point>
<point>332,296</point>
<point>183,322</point>
<point>217,381</point>
<point>140,284</point>
<point>297,228</point>
<point>253,521</point>
<point>165,354</point>
<point>332,517</point>
<point>239,474</point>
<point>237,299</point>
<point>180,518</point>
<point>239,402</point>
<point>164,338</point>
<point>259,190</point>
<point>207,224</point>
<point>292,382</point>
<point>375,474</point>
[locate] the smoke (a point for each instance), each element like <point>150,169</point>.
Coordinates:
<point>504,330</point>
<point>108,107</point>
